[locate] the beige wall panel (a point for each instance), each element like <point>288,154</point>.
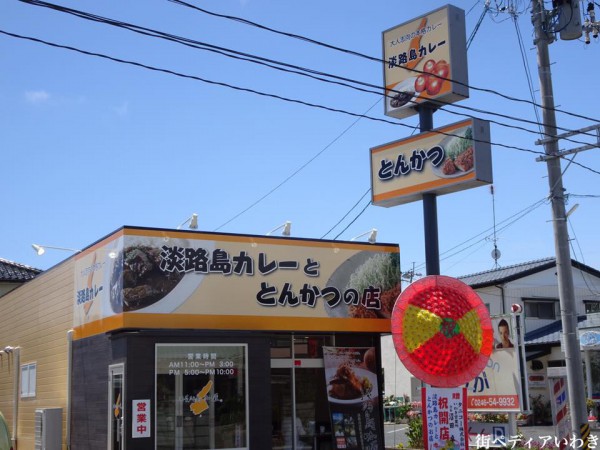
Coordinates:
<point>36,317</point>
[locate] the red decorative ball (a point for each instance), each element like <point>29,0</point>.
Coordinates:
<point>442,331</point>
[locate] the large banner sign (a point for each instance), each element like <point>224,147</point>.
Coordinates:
<point>425,61</point>
<point>498,386</point>
<point>175,279</point>
<point>441,161</point>
<point>353,393</point>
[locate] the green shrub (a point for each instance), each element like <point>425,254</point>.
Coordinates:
<point>402,411</point>
<point>415,433</point>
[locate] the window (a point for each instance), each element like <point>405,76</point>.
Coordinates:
<point>557,363</point>
<point>201,396</point>
<point>28,375</point>
<point>540,309</point>
<point>591,306</point>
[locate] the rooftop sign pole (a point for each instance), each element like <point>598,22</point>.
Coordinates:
<point>426,61</point>
<point>432,248</point>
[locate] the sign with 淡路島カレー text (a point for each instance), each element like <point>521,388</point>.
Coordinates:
<point>425,61</point>
<point>142,278</point>
<point>444,160</point>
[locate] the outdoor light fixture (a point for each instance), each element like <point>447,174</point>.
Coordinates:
<point>372,236</point>
<point>287,227</point>
<point>193,220</point>
<point>41,249</point>
<point>572,210</point>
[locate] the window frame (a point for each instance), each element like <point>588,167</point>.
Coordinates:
<point>587,303</point>
<point>529,301</point>
<point>28,380</point>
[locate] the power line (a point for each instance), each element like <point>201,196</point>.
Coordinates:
<point>346,215</point>
<point>354,220</point>
<point>274,64</point>
<point>584,195</point>
<point>527,73</point>
<point>295,173</point>
<point>513,219</point>
<point>252,91</point>
<point>478,24</point>
<point>362,55</point>
<point>179,40</point>
<point>596,292</point>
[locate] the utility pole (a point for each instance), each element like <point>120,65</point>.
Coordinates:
<point>575,382</point>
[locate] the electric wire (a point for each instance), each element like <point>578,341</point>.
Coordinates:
<point>527,72</point>
<point>499,230</point>
<point>71,48</point>
<point>473,7</point>
<point>583,166</point>
<point>483,244</point>
<point>513,218</point>
<point>199,79</point>
<point>293,174</point>
<point>353,220</point>
<point>595,291</point>
<point>285,67</point>
<point>362,55</point>
<point>252,91</point>
<point>347,214</point>
<point>478,24</point>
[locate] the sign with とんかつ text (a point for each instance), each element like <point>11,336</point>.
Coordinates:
<point>441,161</point>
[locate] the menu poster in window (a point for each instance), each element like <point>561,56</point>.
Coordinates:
<point>352,392</point>
<point>445,418</point>
<point>201,394</point>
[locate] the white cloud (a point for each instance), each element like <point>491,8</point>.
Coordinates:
<point>36,96</point>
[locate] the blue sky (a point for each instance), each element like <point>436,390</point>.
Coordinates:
<point>90,145</point>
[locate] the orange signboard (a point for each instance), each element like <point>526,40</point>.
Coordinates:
<point>440,161</point>
<point>152,278</point>
<point>425,60</point>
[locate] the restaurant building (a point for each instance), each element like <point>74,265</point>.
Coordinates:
<point>168,339</point>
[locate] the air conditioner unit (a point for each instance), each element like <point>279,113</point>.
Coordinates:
<point>48,429</point>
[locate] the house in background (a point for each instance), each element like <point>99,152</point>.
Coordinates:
<point>13,274</point>
<point>534,286</point>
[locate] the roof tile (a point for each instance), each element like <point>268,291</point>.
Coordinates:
<point>12,271</point>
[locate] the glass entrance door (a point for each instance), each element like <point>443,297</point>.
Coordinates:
<point>116,396</point>
<point>299,396</point>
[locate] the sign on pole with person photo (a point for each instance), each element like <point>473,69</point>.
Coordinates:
<point>497,387</point>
